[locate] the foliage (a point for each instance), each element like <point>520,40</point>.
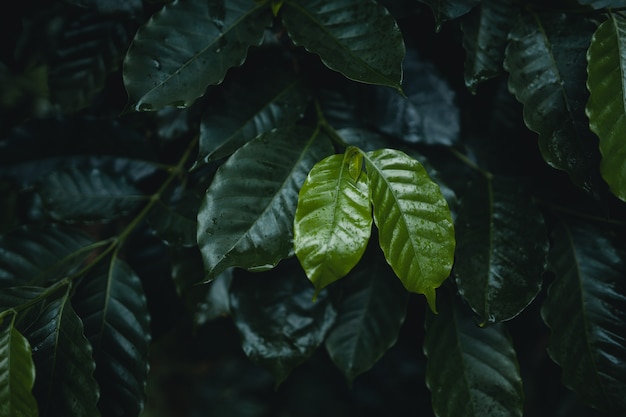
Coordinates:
<point>306,207</point>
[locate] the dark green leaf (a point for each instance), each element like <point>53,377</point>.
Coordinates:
<point>110,6</point>
<point>369,316</point>
<point>333,219</point>
<point>602,4</point>
<point>175,221</point>
<point>189,45</point>
<point>606,107</point>
<point>546,63</point>
<point>17,371</point>
<point>444,10</point>
<point>586,311</point>
<point>415,224</point>
<point>246,217</point>
<point>501,248</point>
<point>472,371</point>
<point>280,324</point>
<point>112,305</point>
<point>357,38</point>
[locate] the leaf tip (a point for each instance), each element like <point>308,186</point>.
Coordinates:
<point>431,299</point>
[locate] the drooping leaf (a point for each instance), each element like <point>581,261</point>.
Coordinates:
<point>175,221</point>
<point>547,73</point>
<point>485,30</point>
<point>357,38</point>
<point>471,371</point>
<point>369,315</point>
<point>445,10</point>
<point>189,45</point>
<point>34,255</point>
<point>606,107</point>
<point>112,305</point>
<point>333,219</point>
<point>502,245</point>
<point>246,217</point>
<point>279,323</point>
<point>63,359</point>
<point>586,310</point>
<point>415,226</point>
<point>17,370</point>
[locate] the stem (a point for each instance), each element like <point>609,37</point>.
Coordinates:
<point>463,158</point>
<point>327,128</point>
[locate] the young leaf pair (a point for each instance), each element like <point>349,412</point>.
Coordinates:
<point>341,197</point>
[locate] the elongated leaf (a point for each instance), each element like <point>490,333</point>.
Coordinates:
<point>602,4</point>
<point>472,371</point>
<point>17,371</point>
<point>485,32</point>
<point>586,311</point>
<point>246,217</point>
<point>369,316</point>
<point>112,305</point>
<point>279,323</point>
<point>606,107</point>
<point>414,221</point>
<point>189,45</point>
<point>445,10</point>
<point>546,68</point>
<point>64,362</point>
<point>83,193</point>
<point>357,38</point>
<point>33,255</point>
<point>502,245</point>
<point>333,219</point>
<point>175,221</point>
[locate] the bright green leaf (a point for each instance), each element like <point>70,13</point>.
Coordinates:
<point>357,38</point>
<point>189,45</point>
<point>606,107</point>
<point>415,226</point>
<point>445,10</point>
<point>333,219</point>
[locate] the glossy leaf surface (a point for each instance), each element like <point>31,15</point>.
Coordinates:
<point>606,107</point>
<point>586,311</point>
<point>357,38</point>
<point>189,45</point>
<point>415,226</point>
<point>246,217</point>
<point>333,219</point>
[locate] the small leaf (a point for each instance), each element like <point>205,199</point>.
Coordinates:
<point>586,310</point>
<point>445,10</point>
<point>357,38</point>
<point>17,371</point>
<point>471,371</point>
<point>414,221</point>
<point>246,216</point>
<point>189,45</point>
<point>606,107</point>
<point>333,220</point>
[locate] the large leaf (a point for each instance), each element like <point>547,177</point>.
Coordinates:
<point>279,323</point>
<point>333,219</point>
<point>586,310</point>
<point>17,371</point>
<point>369,315</point>
<point>189,45</point>
<point>547,72</point>
<point>246,217</point>
<point>415,226</point>
<point>606,107</point>
<point>501,248</point>
<point>112,305</point>
<point>444,10</point>
<point>357,38</point>
<point>472,371</point>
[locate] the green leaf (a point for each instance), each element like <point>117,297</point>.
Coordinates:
<point>415,226</point>
<point>333,219</point>
<point>112,305</point>
<point>586,310</point>
<point>17,371</point>
<point>174,221</point>
<point>279,323</point>
<point>502,245</point>
<point>602,4</point>
<point>471,371</point>
<point>445,10</point>
<point>546,68</point>
<point>606,107</point>
<point>189,45</point>
<point>369,316</point>
<point>357,38</point>
<point>246,216</point>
